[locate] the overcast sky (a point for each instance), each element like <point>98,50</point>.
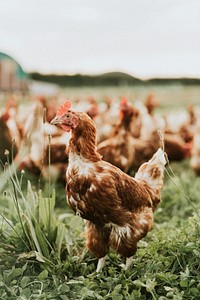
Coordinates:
<point>142,37</point>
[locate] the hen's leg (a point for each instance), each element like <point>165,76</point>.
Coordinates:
<point>129,261</point>
<point>101,263</point>
<point>126,250</point>
<point>97,242</point>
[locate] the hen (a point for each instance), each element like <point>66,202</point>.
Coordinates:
<point>176,148</point>
<point>46,156</point>
<point>10,135</point>
<point>6,140</point>
<point>195,153</point>
<point>118,209</point>
<point>144,150</point>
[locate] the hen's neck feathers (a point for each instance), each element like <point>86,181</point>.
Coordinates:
<point>83,140</point>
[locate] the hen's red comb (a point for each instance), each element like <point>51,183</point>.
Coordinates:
<point>124,101</point>
<point>63,109</point>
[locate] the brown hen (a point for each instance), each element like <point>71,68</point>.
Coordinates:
<point>118,209</point>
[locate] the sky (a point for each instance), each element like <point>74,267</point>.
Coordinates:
<point>145,38</point>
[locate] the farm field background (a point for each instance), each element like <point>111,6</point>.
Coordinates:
<point>166,265</point>
<point>170,96</point>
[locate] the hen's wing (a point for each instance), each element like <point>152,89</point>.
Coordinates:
<point>106,195</point>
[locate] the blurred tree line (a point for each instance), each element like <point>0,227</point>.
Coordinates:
<point>108,79</point>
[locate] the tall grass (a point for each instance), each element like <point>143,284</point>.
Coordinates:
<point>29,219</point>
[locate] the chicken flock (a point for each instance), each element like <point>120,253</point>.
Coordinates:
<point>127,134</point>
<point>107,143</point>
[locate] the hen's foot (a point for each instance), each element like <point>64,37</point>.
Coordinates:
<point>101,264</point>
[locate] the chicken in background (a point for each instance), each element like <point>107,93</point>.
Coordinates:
<point>193,116</point>
<point>118,209</point>
<point>145,123</point>
<point>177,131</point>
<point>149,122</point>
<point>7,142</point>
<point>144,149</point>
<point>176,148</point>
<point>50,106</point>
<point>106,119</point>
<point>32,148</point>
<point>10,134</point>
<point>46,155</point>
<point>151,103</point>
<point>174,120</point>
<point>195,153</point>
<point>148,141</point>
<point>178,134</point>
<point>119,148</point>
<point>12,111</point>
<point>187,133</point>
<point>93,110</point>
<point>187,129</point>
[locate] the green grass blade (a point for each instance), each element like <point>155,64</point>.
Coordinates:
<point>60,238</point>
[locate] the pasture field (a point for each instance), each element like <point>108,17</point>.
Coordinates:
<point>171,97</point>
<point>42,254</point>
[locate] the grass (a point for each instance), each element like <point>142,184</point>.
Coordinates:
<point>166,265</point>
<point>42,253</point>
<point>171,97</point>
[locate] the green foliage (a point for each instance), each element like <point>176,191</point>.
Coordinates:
<point>109,79</point>
<point>29,221</point>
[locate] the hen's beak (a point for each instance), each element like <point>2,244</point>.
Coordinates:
<point>57,120</point>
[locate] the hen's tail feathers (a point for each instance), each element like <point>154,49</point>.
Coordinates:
<point>159,157</point>
<point>152,172</point>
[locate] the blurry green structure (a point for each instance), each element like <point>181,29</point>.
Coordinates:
<point>12,76</point>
